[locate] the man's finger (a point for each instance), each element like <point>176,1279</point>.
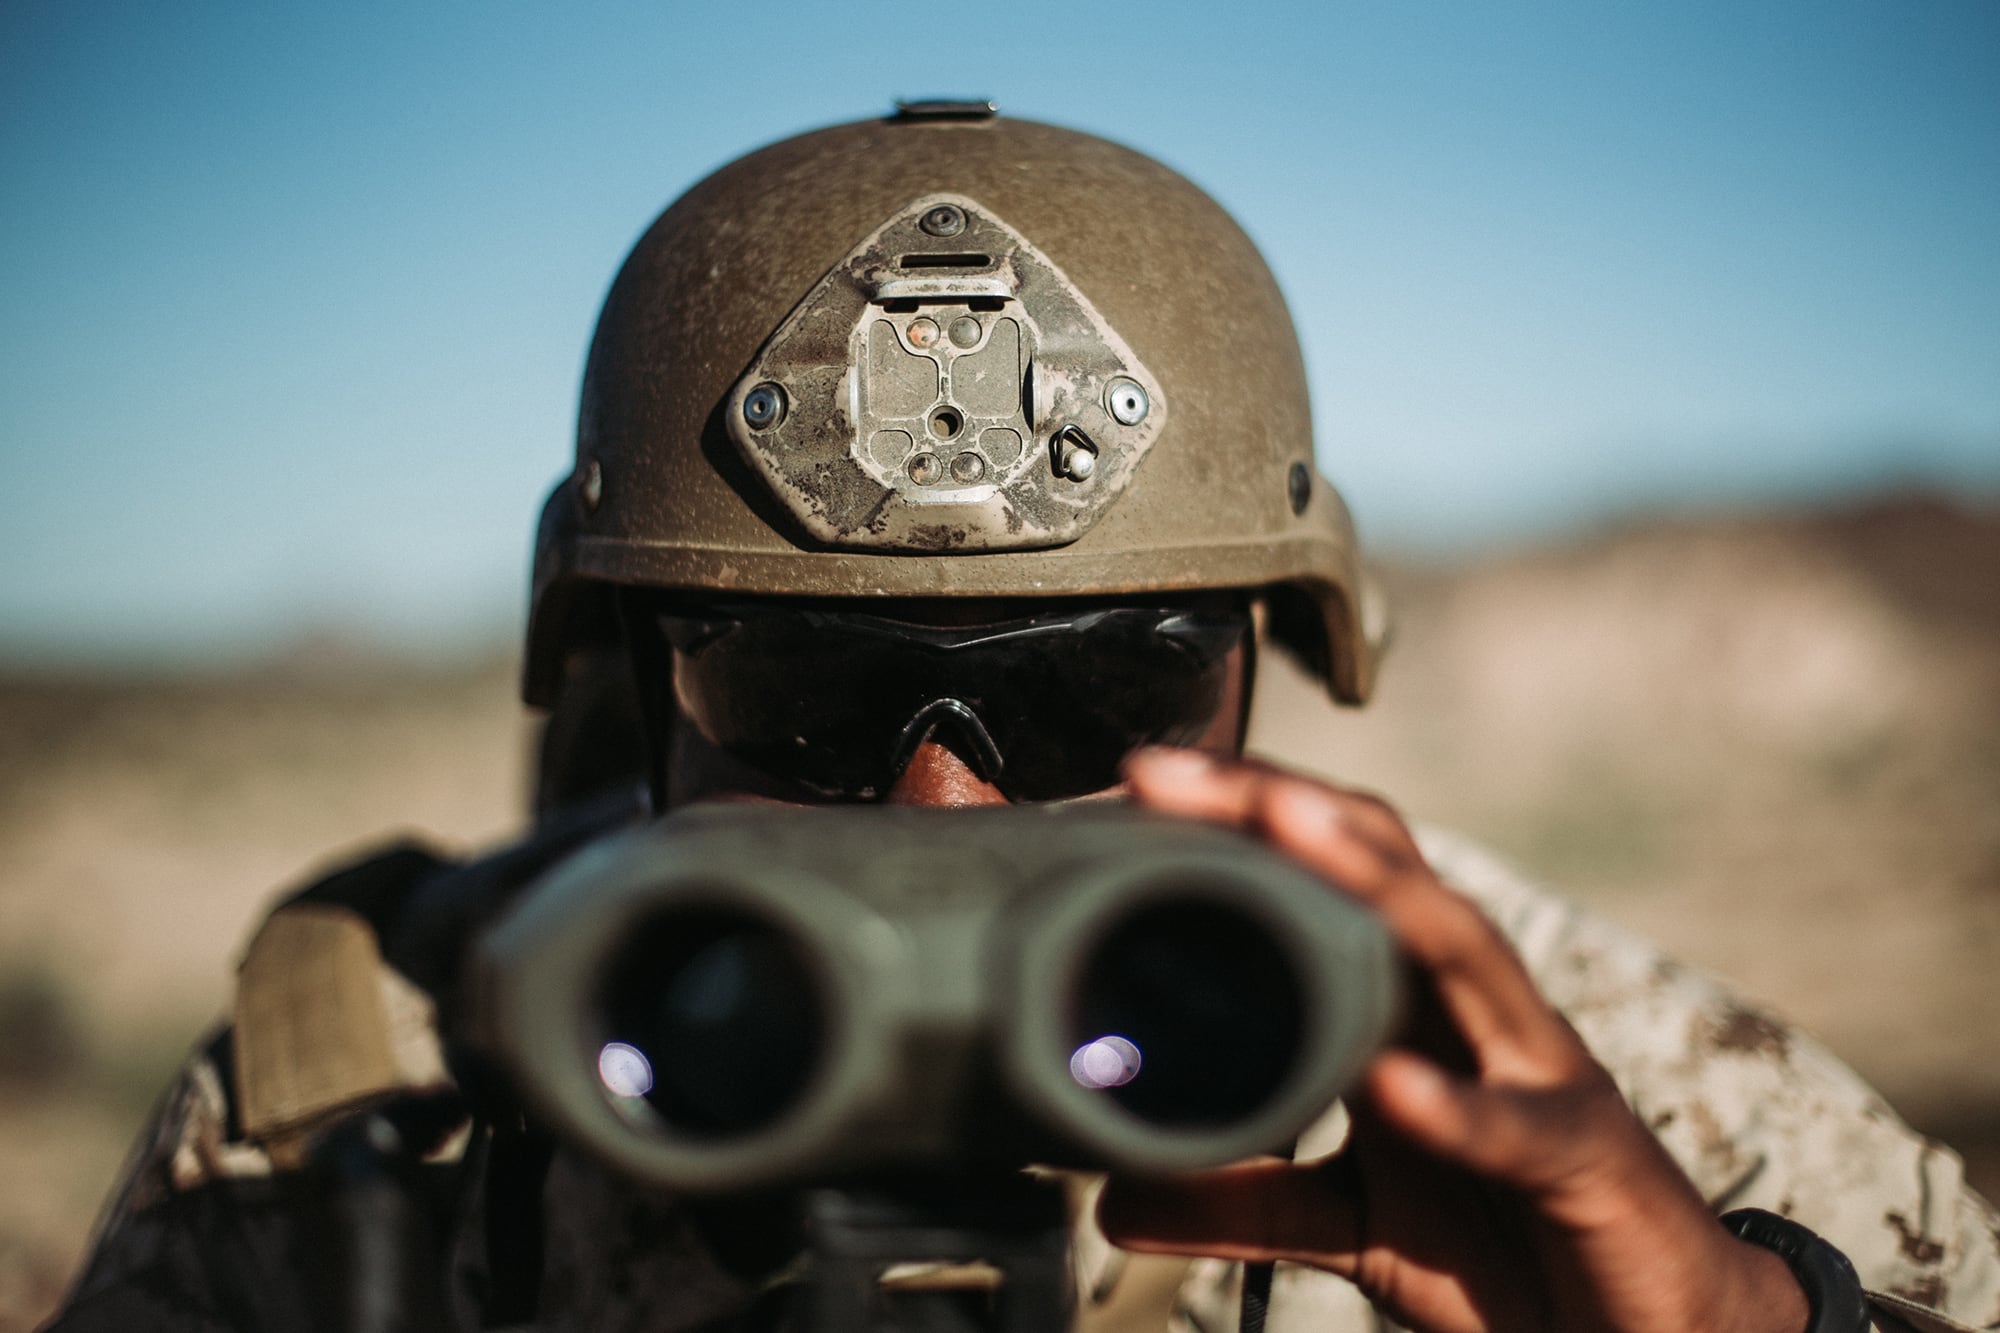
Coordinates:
<point>1255,1211</point>
<point>1232,791</point>
<point>1360,845</point>
<point>1534,1139</point>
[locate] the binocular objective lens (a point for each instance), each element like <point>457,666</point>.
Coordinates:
<point>714,1019</point>
<point>1187,1014</point>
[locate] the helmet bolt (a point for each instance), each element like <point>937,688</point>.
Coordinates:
<point>923,332</point>
<point>1299,487</point>
<point>924,468</point>
<point>1128,401</point>
<point>944,220</point>
<point>764,407</point>
<point>964,331</point>
<point>590,486</point>
<point>968,467</point>
<point>1072,454</point>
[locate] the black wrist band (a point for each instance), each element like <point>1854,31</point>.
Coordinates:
<point>1832,1287</point>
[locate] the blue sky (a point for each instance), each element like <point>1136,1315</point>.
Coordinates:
<point>293,304</point>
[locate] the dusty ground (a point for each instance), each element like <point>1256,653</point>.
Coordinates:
<point>1772,744</point>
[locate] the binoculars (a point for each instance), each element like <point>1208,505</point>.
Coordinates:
<point>736,997</point>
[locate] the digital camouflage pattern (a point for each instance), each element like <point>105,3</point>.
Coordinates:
<point>1758,1114</point>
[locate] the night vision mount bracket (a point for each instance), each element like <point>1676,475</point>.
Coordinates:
<point>945,388</point>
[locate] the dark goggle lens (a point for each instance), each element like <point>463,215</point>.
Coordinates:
<point>1049,704</point>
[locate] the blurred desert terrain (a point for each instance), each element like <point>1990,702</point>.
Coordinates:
<point>1769,742</point>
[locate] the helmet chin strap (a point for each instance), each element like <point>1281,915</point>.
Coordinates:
<point>955,716</point>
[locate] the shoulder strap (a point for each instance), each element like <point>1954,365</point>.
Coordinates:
<point>322,1026</point>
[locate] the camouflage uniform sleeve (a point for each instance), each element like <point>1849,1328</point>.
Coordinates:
<point>210,1230</point>
<point>214,1223</point>
<point>1757,1113</point>
<point>188,1178</point>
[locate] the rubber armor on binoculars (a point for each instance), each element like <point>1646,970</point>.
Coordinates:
<point>736,997</point>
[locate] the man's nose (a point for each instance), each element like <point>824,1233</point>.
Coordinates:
<point>938,776</point>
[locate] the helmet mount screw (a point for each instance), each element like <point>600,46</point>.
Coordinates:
<point>924,468</point>
<point>764,406</point>
<point>1299,487</point>
<point>1127,401</point>
<point>944,220</point>
<point>590,486</point>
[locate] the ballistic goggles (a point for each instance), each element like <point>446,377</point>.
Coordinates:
<point>1044,707</point>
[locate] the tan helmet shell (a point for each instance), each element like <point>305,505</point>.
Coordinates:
<point>1226,496</point>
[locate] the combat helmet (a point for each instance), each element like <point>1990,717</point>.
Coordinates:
<point>947,354</point>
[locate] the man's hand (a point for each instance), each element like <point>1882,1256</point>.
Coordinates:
<point>1495,1179</point>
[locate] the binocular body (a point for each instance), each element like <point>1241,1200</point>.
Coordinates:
<point>735,997</point>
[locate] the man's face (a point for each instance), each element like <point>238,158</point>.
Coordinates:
<point>953,764</point>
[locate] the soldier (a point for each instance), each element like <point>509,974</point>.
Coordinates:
<point>953,460</point>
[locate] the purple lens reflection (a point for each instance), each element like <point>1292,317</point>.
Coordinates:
<point>1107,1062</point>
<point>625,1070</point>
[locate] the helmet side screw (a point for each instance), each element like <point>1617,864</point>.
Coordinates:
<point>764,406</point>
<point>1127,401</point>
<point>944,220</point>
<point>590,486</point>
<point>1299,487</point>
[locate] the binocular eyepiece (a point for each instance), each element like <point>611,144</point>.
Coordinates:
<point>740,996</point>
